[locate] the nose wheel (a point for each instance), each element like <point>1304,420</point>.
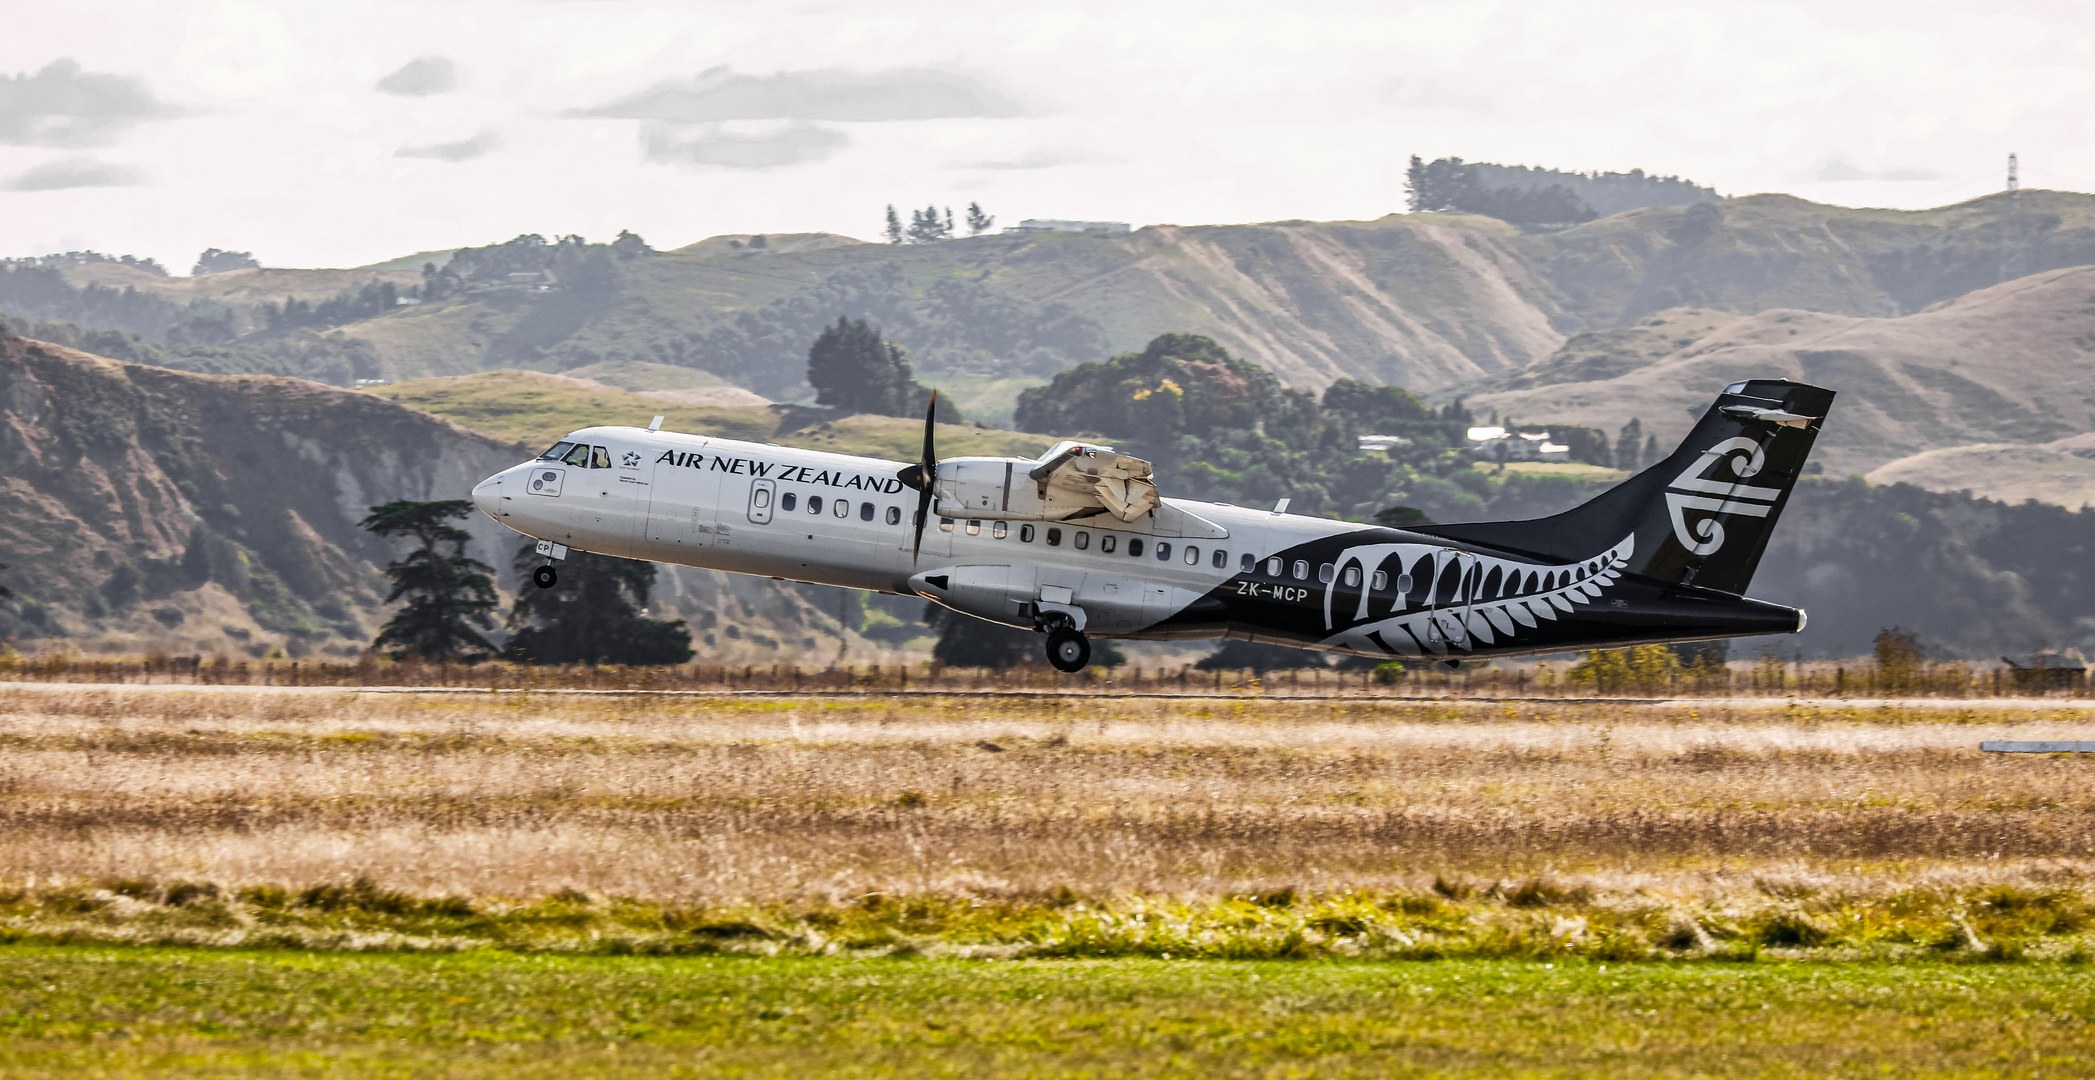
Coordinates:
<point>545,577</point>
<point>1068,650</point>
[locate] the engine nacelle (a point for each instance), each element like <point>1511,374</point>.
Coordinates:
<point>1073,479</point>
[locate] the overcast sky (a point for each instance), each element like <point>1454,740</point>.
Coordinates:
<point>321,134</point>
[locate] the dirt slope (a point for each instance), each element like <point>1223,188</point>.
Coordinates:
<point>2010,363</point>
<point>156,509</point>
<point>2060,472</point>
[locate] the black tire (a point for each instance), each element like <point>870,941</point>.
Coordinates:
<point>545,577</point>
<point>1068,650</point>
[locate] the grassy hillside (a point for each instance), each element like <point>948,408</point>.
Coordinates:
<point>2061,472</point>
<point>2010,363</point>
<point>157,510</point>
<point>241,286</point>
<point>1433,302</point>
<point>535,409</point>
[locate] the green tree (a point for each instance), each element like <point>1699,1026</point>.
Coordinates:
<point>629,245</point>
<point>852,367</point>
<point>926,226</point>
<point>894,225</point>
<point>593,615</point>
<point>448,595</point>
<point>1446,184</point>
<point>977,221</point>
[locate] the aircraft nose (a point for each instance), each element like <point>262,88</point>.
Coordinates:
<point>487,495</point>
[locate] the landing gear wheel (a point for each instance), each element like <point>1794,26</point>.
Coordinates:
<point>1068,650</point>
<point>544,577</point>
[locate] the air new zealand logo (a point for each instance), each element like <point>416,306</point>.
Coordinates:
<point>1717,497</point>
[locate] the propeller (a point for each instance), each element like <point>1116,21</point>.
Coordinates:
<point>922,476</point>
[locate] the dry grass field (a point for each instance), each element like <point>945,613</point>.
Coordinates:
<point>1059,826</point>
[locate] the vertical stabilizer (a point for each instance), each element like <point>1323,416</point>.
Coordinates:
<point>1701,517</point>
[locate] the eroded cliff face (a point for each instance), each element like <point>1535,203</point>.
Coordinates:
<point>154,509</point>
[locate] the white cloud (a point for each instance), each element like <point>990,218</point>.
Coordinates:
<point>828,94</point>
<point>793,144</point>
<point>460,150</point>
<point>64,106</point>
<point>71,173</point>
<point>421,77</point>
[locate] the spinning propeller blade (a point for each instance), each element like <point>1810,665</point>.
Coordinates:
<point>922,475</point>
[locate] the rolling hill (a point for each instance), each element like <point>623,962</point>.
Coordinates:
<point>1433,302</point>
<point>2009,363</point>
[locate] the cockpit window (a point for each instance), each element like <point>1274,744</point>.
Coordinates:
<point>601,458</point>
<point>559,449</point>
<point>579,456</point>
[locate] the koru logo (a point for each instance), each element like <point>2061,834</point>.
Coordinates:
<point>1705,535</point>
<point>632,458</point>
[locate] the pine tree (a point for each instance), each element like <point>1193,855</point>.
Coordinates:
<point>894,225</point>
<point>449,595</point>
<point>629,245</point>
<point>977,221</point>
<point>593,615</point>
<point>927,227</point>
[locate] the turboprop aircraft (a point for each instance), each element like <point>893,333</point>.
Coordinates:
<point>1080,542</point>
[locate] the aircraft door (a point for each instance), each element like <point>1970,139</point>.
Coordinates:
<point>762,494</point>
<point>682,509</point>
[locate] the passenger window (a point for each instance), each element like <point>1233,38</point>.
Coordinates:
<point>601,460</point>
<point>1107,542</point>
<point>1325,572</point>
<point>1000,530</point>
<point>760,498</point>
<point>1192,555</point>
<point>785,502</point>
<point>842,508</point>
<point>1352,576</point>
<point>1134,547</point>
<point>1054,537</point>
<point>865,512</point>
<point>578,457</point>
<point>1272,567</point>
<point>1221,558</point>
<point>1404,583</point>
<point>1250,561</point>
<point>974,528</point>
<point>558,449</point>
<point>1163,551</point>
<point>1025,534</point>
<point>1381,580</point>
<point>1301,569</point>
<point>1082,539</point>
<point>894,515</point>
<point>814,504</point>
<point>945,524</point>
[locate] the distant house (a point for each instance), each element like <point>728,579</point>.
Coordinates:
<point>1034,225</point>
<point>1383,443</point>
<point>2048,670</point>
<point>1499,444</point>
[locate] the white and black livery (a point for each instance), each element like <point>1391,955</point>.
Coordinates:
<point>1080,541</point>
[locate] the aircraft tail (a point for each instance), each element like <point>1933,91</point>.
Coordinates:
<point>1702,516</point>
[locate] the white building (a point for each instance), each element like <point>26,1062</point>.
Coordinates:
<point>1498,444</point>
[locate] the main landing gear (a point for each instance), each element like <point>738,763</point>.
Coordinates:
<point>545,577</point>
<point>1068,650</point>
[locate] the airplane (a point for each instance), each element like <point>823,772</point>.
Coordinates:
<point>1080,543</point>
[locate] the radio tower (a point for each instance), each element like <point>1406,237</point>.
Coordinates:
<point>2015,239</point>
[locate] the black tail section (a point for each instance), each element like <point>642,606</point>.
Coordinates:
<point>1700,517</point>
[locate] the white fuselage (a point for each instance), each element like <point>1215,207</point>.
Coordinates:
<point>834,519</point>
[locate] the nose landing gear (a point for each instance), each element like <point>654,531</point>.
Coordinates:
<point>1068,650</point>
<point>545,577</point>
